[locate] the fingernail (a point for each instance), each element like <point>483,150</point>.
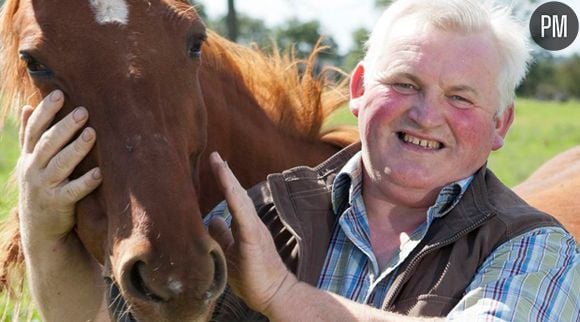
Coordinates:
<point>217,156</point>
<point>26,108</point>
<point>56,95</point>
<point>87,135</point>
<point>97,174</point>
<point>79,114</point>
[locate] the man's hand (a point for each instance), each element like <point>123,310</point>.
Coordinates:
<point>47,198</point>
<point>256,272</point>
<point>64,280</point>
<point>258,275</point>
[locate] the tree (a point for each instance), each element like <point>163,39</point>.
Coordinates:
<point>552,77</point>
<point>227,27</point>
<point>357,52</point>
<point>295,34</point>
<point>569,75</point>
<point>232,21</point>
<point>302,36</point>
<point>250,30</point>
<point>541,78</point>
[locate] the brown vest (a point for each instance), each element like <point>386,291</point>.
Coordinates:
<point>296,207</point>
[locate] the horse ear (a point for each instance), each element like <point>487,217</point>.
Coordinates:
<point>357,89</point>
<point>503,122</point>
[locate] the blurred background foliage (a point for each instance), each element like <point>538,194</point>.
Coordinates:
<point>550,77</point>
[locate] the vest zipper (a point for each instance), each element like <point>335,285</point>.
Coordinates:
<point>412,265</point>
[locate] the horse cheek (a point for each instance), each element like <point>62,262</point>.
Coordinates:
<point>91,227</point>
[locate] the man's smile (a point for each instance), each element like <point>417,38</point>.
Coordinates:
<point>420,142</point>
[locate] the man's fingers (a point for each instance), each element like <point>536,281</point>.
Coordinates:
<point>24,116</point>
<point>41,118</point>
<point>240,205</point>
<point>57,136</point>
<point>62,165</point>
<point>219,231</point>
<point>216,163</point>
<point>79,188</point>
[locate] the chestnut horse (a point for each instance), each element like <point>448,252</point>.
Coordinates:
<point>162,93</point>
<point>555,189</point>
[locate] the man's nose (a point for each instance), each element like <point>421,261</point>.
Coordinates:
<point>427,111</point>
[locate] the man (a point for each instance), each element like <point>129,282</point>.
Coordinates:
<point>406,225</point>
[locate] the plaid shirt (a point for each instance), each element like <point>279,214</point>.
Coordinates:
<point>351,269</point>
<point>533,277</point>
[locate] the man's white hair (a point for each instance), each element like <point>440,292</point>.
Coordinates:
<point>466,16</point>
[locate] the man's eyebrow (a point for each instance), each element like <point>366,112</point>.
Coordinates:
<point>403,74</point>
<point>410,76</point>
<point>464,88</point>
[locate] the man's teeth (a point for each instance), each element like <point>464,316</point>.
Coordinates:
<point>422,143</point>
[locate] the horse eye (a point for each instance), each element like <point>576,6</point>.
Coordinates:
<point>34,67</point>
<point>196,42</point>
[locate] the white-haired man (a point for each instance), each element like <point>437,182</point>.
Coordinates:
<point>410,223</point>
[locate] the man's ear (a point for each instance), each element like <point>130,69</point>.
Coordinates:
<point>357,88</point>
<point>502,126</point>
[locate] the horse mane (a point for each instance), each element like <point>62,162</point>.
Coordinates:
<point>295,99</point>
<point>16,88</point>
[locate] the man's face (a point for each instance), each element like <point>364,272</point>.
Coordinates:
<point>427,114</point>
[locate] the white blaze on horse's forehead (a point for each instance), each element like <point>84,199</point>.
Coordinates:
<point>110,11</point>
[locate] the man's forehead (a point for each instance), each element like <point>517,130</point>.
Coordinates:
<point>462,63</point>
<point>436,45</point>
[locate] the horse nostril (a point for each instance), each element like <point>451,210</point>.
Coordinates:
<point>219,276</point>
<point>137,279</point>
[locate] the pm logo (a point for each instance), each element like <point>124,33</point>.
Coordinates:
<point>554,26</point>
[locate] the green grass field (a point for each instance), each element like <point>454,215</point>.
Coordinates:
<point>540,131</point>
<point>9,151</point>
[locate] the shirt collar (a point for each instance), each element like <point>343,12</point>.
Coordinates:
<point>347,186</point>
<point>342,186</point>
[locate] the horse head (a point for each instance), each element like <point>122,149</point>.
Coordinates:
<point>133,64</point>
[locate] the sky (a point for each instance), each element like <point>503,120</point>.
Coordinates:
<point>338,18</point>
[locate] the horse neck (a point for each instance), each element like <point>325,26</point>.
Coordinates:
<point>241,131</point>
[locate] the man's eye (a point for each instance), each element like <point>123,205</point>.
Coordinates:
<point>460,101</point>
<point>459,98</point>
<point>405,88</point>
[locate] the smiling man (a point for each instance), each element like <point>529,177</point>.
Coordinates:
<point>410,223</point>
<point>407,225</point>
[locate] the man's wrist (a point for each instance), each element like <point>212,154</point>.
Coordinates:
<point>37,246</point>
<point>280,302</point>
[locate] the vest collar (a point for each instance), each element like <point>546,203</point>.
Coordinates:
<point>308,189</point>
